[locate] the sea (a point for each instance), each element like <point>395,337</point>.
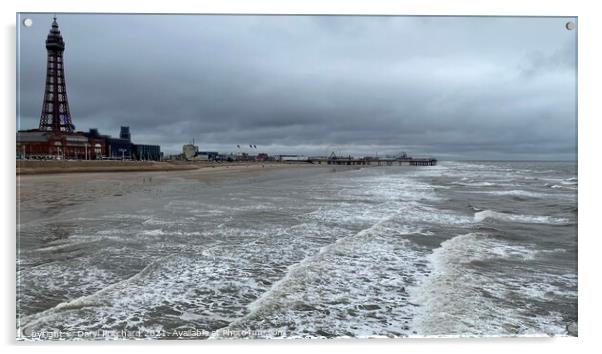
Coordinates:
<point>458,249</point>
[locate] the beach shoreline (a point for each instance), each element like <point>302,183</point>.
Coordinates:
<point>43,189</point>
<point>32,167</point>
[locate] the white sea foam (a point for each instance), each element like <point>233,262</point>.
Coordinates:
<point>546,287</point>
<point>570,181</point>
<point>475,184</point>
<point>162,232</point>
<point>211,286</point>
<point>517,193</point>
<point>457,299</point>
<point>560,184</point>
<point>527,219</point>
<point>65,247</point>
<point>354,287</point>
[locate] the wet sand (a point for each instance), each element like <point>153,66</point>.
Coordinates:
<point>27,167</point>
<point>42,194</point>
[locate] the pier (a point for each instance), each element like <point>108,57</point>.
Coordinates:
<point>401,160</point>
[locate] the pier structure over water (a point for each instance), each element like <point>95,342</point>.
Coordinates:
<point>400,160</point>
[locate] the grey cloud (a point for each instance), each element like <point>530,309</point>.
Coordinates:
<point>446,86</point>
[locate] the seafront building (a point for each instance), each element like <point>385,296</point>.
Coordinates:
<point>123,147</point>
<point>56,138</point>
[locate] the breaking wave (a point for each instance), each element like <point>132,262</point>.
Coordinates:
<point>460,299</point>
<point>517,193</point>
<point>527,219</point>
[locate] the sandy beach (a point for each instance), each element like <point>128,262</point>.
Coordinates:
<point>48,186</point>
<point>27,167</point>
<point>34,167</point>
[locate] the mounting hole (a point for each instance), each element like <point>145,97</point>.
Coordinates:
<point>570,25</point>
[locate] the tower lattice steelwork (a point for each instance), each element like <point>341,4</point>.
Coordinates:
<point>55,110</point>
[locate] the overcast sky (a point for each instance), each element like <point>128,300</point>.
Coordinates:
<point>451,87</point>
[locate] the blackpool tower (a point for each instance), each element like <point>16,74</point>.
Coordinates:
<point>55,115</point>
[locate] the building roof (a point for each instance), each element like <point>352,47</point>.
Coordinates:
<point>32,136</point>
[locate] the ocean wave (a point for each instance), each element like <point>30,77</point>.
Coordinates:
<point>415,213</point>
<point>544,171</point>
<point>95,299</point>
<point>517,193</point>
<point>373,260</point>
<point>155,220</point>
<point>562,185</point>
<point>161,232</point>
<point>526,219</point>
<point>66,247</point>
<point>207,286</point>
<point>459,299</point>
<point>255,306</point>
<point>474,184</point>
<point>569,182</point>
<point>546,289</point>
<point>572,181</point>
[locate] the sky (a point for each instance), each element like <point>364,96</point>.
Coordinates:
<point>450,87</point>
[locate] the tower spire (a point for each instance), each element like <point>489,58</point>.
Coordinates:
<point>55,115</point>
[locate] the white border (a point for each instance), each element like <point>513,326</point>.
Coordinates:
<point>589,167</point>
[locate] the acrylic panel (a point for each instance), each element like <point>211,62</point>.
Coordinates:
<point>185,176</point>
